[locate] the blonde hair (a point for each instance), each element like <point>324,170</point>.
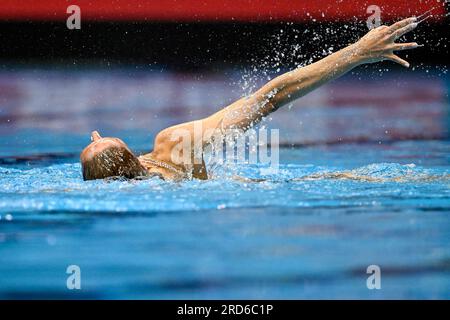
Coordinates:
<point>114,161</point>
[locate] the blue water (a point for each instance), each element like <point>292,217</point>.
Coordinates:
<point>309,230</point>
<point>284,237</point>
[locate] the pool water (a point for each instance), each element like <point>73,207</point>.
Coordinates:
<point>365,185</point>
<point>224,238</point>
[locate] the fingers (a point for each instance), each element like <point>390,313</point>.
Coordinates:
<point>403,30</point>
<point>398,60</point>
<point>405,46</point>
<point>426,13</point>
<point>402,23</point>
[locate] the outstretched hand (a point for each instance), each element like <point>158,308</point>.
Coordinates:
<point>379,43</point>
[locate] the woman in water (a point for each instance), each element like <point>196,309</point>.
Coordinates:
<point>178,150</point>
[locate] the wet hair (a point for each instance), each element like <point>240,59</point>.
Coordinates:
<point>114,161</point>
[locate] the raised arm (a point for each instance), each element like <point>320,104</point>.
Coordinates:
<point>377,45</point>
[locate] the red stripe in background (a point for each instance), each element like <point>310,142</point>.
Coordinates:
<point>215,10</point>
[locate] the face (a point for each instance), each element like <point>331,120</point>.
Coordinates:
<point>107,157</point>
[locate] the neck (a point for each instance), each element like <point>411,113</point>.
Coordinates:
<point>168,170</point>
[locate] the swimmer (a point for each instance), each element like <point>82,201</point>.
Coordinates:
<point>111,157</point>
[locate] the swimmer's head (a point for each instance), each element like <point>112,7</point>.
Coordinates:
<point>109,157</point>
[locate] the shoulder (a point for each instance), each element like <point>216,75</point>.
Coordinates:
<point>174,134</point>
<point>166,140</point>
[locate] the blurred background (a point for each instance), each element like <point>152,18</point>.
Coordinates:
<point>135,67</point>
